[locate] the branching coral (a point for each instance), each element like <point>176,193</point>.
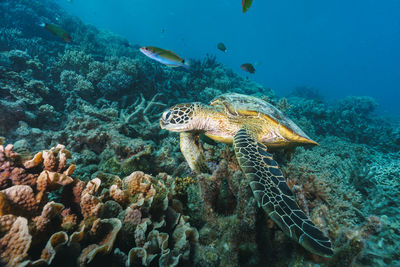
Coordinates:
<point>74,60</point>
<point>143,111</point>
<point>73,82</point>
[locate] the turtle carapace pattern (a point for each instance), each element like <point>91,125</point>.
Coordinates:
<point>252,126</point>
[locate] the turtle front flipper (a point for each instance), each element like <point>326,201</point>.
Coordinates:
<point>192,151</point>
<point>274,195</point>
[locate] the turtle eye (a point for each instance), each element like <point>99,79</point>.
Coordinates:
<point>167,115</point>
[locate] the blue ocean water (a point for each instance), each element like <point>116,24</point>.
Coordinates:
<point>339,47</point>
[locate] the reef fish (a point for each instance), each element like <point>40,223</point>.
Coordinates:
<point>248,67</point>
<point>246,5</point>
<point>164,56</point>
<point>58,31</point>
<point>222,47</point>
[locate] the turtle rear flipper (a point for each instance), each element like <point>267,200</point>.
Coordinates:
<point>192,151</point>
<point>274,195</point>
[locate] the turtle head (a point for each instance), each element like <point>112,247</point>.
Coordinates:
<point>179,118</point>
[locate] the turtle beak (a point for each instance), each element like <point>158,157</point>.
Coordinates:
<point>162,123</point>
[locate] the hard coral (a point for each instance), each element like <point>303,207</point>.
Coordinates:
<point>104,233</point>
<point>49,212</point>
<point>22,199</point>
<point>6,222</point>
<point>139,183</point>
<point>14,246</point>
<point>182,184</point>
<point>54,245</point>
<point>141,203</point>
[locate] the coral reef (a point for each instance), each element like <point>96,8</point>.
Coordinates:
<point>120,193</point>
<point>87,222</point>
<point>353,119</point>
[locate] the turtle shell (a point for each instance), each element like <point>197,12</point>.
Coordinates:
<point>245,105</point>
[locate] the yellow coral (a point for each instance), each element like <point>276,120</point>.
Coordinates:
<point>181,184</point>
<point>70,169</point>
<point>35,161</point>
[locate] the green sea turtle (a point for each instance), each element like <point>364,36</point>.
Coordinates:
<point>252,126</point>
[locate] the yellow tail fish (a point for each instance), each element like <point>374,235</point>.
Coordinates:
<point>164,56</point>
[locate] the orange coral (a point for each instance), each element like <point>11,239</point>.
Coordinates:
<point>48,180</point>
<point>139,182</point>
<point>21,198</point>
<point>35,161</point>
<point>14,246</point>
<point>90,204</point>
<point>11,169</point>
<point>118,194</point>
<point>7,152</point>
<point>13,172</point>
<point>84,201</point>
<point>6,222</point>
<point>77,190</point>
<point>55,159</point>
<point>4,204</point>
<point>49,211</point>
<point>92,186</point>
<point>19,176</point>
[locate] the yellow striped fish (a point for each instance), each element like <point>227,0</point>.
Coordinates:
<point>164,56</point>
